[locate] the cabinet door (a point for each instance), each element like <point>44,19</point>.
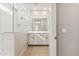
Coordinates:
<point>38,39</point>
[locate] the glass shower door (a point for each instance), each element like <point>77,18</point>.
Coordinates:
<point>6,29</point>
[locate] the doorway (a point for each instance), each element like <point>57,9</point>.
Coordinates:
<point>38,21</point>
<point>34,22</point>
<point>28,25</point>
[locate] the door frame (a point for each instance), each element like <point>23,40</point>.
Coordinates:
<point>52,34</point>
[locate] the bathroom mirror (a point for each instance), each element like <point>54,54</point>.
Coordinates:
<point>39,24</point>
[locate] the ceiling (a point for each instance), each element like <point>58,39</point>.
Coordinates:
<point>31,5</point>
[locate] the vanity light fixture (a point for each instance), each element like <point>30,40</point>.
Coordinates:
<point>44,8</point>
<point>44,12</point>
<point>36,12</point>
<point>35,8</point>
<point>49,8</point>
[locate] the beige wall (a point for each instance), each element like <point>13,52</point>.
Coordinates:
<point>20,42</point>
<point>68,29</point>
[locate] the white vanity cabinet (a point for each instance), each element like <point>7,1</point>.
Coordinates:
<point>38,39</point>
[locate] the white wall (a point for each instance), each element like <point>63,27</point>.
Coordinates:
<point>20,30</point>
<point>20,42</point>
